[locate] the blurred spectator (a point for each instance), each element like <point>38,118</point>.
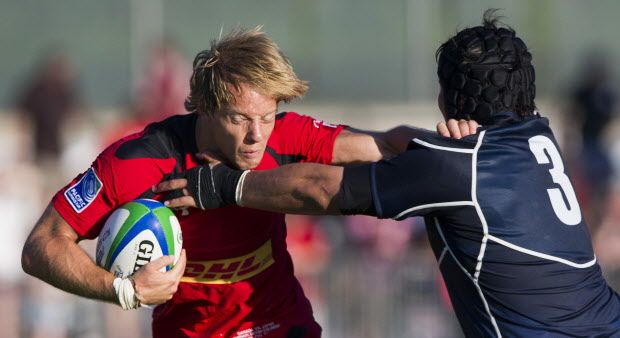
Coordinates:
<point>607,238</point>
<point>386,281</point>
<point>308,245</point>
<point>164,85</point>
<point>160,92</point>
<point>18,203</point>
<point>46,102</point>
<point>310,250</point>
<point>384,238</point>
<point>594,99</point>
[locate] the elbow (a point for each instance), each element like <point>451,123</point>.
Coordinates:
<point>31,256</point>
<point>28,258</point>
<point>317,195</point>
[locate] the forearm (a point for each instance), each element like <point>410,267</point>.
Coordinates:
<point>57,259</point>
<point>354,146</point>
<point>304,188</point>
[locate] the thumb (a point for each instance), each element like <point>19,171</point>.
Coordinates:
<point>161,262</point>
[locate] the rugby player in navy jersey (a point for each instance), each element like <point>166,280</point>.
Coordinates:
<point>500,211</point>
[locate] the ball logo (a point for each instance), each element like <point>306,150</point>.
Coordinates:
<point>100,248</point>
<point>145,252</point>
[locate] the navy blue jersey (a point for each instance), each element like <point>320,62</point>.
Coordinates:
<point>506,228</point>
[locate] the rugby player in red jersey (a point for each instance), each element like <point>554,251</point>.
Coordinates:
<point>236,279</point>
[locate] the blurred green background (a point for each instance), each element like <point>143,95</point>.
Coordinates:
<point>355,50</point>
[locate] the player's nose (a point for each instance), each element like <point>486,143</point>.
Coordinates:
<point>255,133</point>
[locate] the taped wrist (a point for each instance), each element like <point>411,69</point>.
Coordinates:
<point>239,189</point>
<point>213,187</point>
<point>125,291</point>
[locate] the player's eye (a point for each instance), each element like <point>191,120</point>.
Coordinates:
<point>269,118</point>
<point>237,118</point>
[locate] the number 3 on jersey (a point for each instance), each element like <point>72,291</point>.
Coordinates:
<point>569,214</point>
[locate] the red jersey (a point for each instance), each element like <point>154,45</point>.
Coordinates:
<point>239,279</point>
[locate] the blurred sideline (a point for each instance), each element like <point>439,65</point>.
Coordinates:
<point>364,277</point>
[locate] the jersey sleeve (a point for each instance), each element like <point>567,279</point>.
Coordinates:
<point>86,202</point>
<point>412,184</point>
<point>310,139</point>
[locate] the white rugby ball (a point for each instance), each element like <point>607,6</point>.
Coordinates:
<point>137,233</point>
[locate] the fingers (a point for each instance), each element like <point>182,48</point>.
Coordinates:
<point>174,184</point>
<point>442,129</point>
<point>179,198</point>
<point>181,202</point>
<point>457,129</point>
<point>161,262</point>
<point>473,126</point>
<point>153,286</point>
<point>463,127</point>
<point>179,267</point>
<point>454,129</point>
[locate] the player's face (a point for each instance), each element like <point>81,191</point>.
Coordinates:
<point>239,132</point>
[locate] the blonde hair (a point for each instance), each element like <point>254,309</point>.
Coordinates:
<point>243,56</point>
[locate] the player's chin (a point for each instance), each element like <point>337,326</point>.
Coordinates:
<point>247,164</point>
<point>249,161</point>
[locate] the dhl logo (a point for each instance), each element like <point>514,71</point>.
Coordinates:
<point>229,270</point>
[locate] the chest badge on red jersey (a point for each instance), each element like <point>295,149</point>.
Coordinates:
<point>82,193</point>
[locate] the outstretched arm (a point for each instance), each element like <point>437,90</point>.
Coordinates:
<point>300,188</point>
<point>359,146</point>
<point>306,188</point>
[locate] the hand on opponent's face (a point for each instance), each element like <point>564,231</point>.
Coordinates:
<point>207,186</point>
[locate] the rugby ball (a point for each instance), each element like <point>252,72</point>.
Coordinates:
<point>137,233</point>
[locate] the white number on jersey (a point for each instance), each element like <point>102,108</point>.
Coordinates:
<point>569,214</point>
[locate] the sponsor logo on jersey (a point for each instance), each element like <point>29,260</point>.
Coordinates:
<point>229,270</point>
<point>257,331</point>
<point>317,124</point>
<point>82,193</point>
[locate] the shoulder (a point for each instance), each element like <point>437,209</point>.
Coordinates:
<point>287,120</point>
<point>516,133</point>
<point>431,140</point>
<point>164,139</point>
<point>293,120</point>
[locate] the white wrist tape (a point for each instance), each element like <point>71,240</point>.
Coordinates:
<point>239,189</point>
<point>126,293</point>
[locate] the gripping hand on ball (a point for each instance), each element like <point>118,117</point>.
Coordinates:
<point>153,286</point>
